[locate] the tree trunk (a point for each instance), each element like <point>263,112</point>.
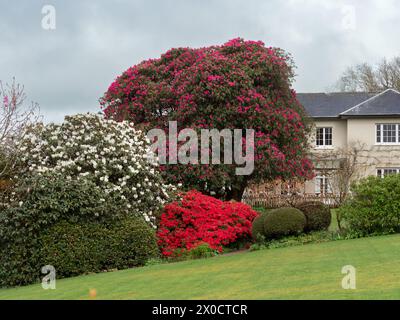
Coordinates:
<point>237,191</point>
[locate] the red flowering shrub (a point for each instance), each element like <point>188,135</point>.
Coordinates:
<point>198,218</point>
<point>238,85</point>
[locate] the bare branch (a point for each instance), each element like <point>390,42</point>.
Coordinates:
<point>367,78</point>
<point>15,118</point>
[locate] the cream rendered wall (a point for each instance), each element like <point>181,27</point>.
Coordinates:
<point>339,141</point>
<point>374,155</point>
<point>339,133</point>
<point>360,132</point>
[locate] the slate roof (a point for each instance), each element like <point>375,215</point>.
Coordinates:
<point>386,103</point>
<point>331,105</point>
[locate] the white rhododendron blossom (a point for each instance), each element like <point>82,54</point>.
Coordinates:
<point>112,154</point>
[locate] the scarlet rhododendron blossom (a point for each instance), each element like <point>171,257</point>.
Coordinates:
<point>198,218</point>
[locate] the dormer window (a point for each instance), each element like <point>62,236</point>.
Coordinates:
<point>324,137</point>
<point>387,133</point>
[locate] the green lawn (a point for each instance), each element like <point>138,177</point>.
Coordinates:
<point>303,272</point>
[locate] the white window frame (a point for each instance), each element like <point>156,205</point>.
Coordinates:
<point>380,126</point>
<point>380,172</point>
<point>324,145</point>
<point>325,185</point>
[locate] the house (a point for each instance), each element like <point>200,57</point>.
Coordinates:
<point>364,126</point>
<point>365,122</point>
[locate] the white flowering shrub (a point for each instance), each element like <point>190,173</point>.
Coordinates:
<point>111,154</point>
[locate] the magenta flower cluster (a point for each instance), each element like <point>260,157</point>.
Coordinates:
<point>240,84</point>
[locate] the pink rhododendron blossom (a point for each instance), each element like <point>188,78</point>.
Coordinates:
<point>238,85</point>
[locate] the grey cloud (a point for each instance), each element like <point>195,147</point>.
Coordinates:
<point>68,69</point>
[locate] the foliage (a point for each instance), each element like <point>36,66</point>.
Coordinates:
<point>241,84</point>
<point>75,249</point>
<point>112,155</point>
<point>19,262</point>
<point>374,207</point>
<point>318,215</point>
<point>78,248</point>
<point>5,184</point>
<point>198,218</point>
<point>257,229</point>
<point>202,250</point>
<point>36,203</point>
<point>283,222</point>
<point>296,240</point>
<point>39,201</point>
<point>5,188</point>
<point>84,172</point>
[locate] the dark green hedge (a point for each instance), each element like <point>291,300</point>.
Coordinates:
<point>75,249</point>
<point>65,223</point>
<point>19,263</point>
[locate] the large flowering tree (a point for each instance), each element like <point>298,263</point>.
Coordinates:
<point>112,155</point>
<point>238,85</point>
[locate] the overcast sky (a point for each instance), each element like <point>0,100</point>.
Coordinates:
<point>66,70</point>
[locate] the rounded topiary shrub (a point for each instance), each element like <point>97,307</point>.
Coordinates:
<point>318,215</point>
<point>257,229</point>
<point>283,222</point>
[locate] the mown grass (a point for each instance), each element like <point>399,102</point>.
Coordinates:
<point>303,272</point>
